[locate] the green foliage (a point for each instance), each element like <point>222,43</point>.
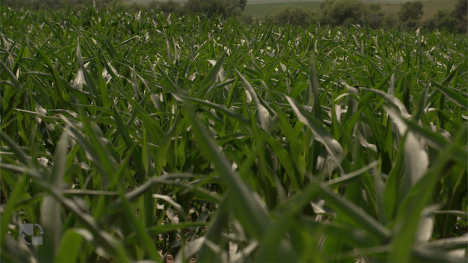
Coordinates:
<point>461,13</point>
<point>247,19</point>
<point>242,4</point>
<point>333,13</point>
<point>342,12</point>
<point>58,4</point>
<point>292,15</point>
<point>375,18</point>
<point>410,13</point>
<point>135,136</point>
<point>208,7</point>
<point>168,7</point>
<point>461,10</point>
<point>223,8</point>
<point>455,21</point>
<point>442,20</point>
<point>390,22</point>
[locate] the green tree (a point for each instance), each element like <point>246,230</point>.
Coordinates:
<point>461,13</point>
<point>410,13</point>
<point>292,15</point>
<point>390,22</point>
<point>215,7</point>
<point>167,7</point>
<point>105,3</point>
<point>342,12</point>
<point>154,5</point>
<point>455,21</point>
<point>14,3</point>
<point>375,17</point>
<point>208,7</point>
<point>242,4</point>
<point>461,9</point>
<point>442,20</point>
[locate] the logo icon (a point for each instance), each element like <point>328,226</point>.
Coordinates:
<point>28,230</point>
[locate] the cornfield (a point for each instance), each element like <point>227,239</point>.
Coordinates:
<point>134,136</point>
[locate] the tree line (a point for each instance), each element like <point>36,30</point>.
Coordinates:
<point>223,8</point>
<point>351,12</point>
<point>331,12</point>
<point>209,7</point>
<point>57,4</point>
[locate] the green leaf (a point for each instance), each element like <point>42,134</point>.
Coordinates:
<point>247,208</point>
<point>139,228</point>
<point>12,76</point>
<point>355,215</point>
<point>263,115</point>
<point>460,99</point>
<point>210,80</point>
<point>418,198</point>
<point>69,248</point>
<point>51,220</point>
<point>334,149</point>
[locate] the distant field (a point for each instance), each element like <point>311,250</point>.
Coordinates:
<point>258,2</point>
<point>262,10</point>
<point>261,2</point>
<point>259,9</point>
<point>430,7</point>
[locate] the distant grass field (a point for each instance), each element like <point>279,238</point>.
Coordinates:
<point>259,9</point>
<point>430,7</point>
<point>257,2</point>
<point>262,10</point>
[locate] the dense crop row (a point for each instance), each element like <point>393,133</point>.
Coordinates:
<point>133,136</point>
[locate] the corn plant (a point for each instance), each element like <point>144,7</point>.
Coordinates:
<point>135,136</point>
